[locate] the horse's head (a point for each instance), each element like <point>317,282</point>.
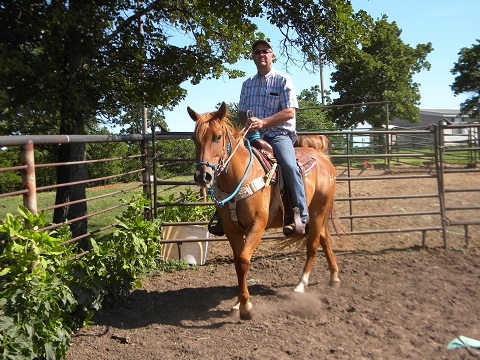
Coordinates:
<point>210,143</point>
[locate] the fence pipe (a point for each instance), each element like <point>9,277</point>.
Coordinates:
<point>439,147</point>
<point>387,139</point>
<point>154,170</point>
<point>349,166</point>
<point>20,140</point>
<point>49,187</point>
<point>146,173</point>
<point>14,193</point>
<point>27,157</point>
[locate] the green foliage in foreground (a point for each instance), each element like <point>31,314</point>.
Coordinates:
<point>172,213</point>
<point>171,265</point>
<point>45,292</point>
<point>35,297</point>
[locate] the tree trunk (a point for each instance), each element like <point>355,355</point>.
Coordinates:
<point>65,194</point>
<point>73,116</point>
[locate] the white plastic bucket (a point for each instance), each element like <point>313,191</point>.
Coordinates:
<point>194,253</point>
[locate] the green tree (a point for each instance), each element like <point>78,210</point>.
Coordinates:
<point>381,69</point>
<point>468,79</point>
<point>66,65</point>
<point>9,180</point>
<point>105,150</point>
<point>311,116</point>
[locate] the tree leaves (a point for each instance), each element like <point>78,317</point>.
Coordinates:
<point>468,79</point>
<point>73,59</point>
<point>381,69</point>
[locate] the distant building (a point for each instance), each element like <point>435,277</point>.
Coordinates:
<point>434,116</point>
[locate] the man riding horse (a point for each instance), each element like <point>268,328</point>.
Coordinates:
<point>270,96</point>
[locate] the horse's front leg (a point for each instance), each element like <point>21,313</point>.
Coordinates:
<point>243,252</point>
<point>242,264</point>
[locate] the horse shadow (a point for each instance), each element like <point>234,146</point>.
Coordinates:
<point>186,308</point>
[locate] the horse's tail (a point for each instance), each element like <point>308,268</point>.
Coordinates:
<point>331,219</point>
<point>317,142</point>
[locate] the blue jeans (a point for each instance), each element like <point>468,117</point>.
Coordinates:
<point>283,148</point>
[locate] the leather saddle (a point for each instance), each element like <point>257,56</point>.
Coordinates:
<point>264,153</point>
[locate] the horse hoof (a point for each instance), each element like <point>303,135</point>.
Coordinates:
<point>246,312</point>
<point>335,284</point>
<point>300,288</point>
<point>246,316</point>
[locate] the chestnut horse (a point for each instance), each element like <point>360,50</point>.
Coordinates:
<point>224,162</point>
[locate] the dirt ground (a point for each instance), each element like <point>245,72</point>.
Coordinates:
<point>396,299</point>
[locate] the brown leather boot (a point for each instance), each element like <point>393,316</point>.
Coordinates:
<point>291,229</point>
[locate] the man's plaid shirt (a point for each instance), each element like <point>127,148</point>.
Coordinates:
<point>267,95</point>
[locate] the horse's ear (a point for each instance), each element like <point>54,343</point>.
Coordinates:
<point>193,114</point>
<point>222,111</point>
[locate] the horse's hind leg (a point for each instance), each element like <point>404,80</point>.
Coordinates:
<point>315,239</point>
<point>332,262</point>
<point>312,246</point>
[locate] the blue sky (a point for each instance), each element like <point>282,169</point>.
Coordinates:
<point>448,25</point>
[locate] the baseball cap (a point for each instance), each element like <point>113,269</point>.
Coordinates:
<point>263,42</point>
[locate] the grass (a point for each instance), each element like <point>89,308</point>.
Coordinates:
<point>113,195</point>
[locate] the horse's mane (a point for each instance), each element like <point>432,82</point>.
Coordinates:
<point>213,119</point>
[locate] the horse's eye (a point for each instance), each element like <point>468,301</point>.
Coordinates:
<point>217,138</point>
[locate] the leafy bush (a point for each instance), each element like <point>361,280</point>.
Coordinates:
<point>172,265</point>
<point>172,213</point>
<point>118,260</point>
<point>46,292</point>
<point>35,298</point>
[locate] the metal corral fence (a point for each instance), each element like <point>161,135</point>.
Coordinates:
<point>402,166</point>
<point>32,182</point>
<point>399,163</point>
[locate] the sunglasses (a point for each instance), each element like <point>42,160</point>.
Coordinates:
<point>263,51</point>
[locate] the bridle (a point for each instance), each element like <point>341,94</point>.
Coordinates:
<point>222,166</point>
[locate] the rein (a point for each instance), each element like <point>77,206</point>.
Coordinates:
<point>220,203</point>
<point>244,131</point>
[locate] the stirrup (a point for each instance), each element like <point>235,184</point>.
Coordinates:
<point>296,226</point>
<point>215,225</point>
<point>291,229</point>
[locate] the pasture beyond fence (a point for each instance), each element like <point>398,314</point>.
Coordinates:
<point>162,164</point>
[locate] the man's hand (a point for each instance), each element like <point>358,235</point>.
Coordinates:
<point>255,123</point>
